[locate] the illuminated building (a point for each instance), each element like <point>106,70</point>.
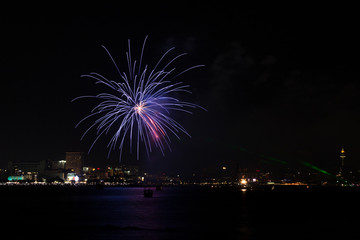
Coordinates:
<point>29,170</point>
<point>72,177</point>
<point>342,157</point>
<point>16,178</point>
<point>74,161</point>
<point>58,164</point>
<point>228,170</point>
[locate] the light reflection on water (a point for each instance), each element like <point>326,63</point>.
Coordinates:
<point>128,208</point>
<point>181,213</point>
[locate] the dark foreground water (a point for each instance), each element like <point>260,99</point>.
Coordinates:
<point>178,213</point>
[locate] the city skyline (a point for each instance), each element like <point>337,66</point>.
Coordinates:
<point>74,166</point>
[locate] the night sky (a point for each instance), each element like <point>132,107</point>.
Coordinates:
<point>278,83</point>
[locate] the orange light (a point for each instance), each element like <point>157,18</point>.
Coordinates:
<point>243,181</point>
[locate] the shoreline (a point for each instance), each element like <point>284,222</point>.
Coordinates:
<point>256,188</point>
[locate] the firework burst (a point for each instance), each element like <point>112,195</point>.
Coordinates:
<point>139,105</point>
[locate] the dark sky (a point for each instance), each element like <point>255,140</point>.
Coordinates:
<point>278,82</point>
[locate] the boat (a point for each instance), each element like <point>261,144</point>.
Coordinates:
<point>148,193</point>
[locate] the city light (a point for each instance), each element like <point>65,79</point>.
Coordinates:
<point>15,178</point>
<point>72,170</point>
<point>243,182</point>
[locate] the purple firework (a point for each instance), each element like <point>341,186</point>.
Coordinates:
<point>140,105</point>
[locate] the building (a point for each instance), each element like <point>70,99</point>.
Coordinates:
<point>56,170</point>
<point>75,161</point>
<point>58,164</point>
<point>228,170</point>
<point>27,169</point>
<point>341,168</point>
<point>27,166</point>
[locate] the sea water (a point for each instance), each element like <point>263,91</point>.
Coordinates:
<point>58,212</point>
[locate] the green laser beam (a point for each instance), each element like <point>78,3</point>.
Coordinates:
<point>307,164</point>
<point>273,159</point>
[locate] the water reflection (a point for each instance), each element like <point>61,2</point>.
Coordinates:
<point>180,213</point>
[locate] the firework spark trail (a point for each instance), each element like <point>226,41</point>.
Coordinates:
<point>140,105</point>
